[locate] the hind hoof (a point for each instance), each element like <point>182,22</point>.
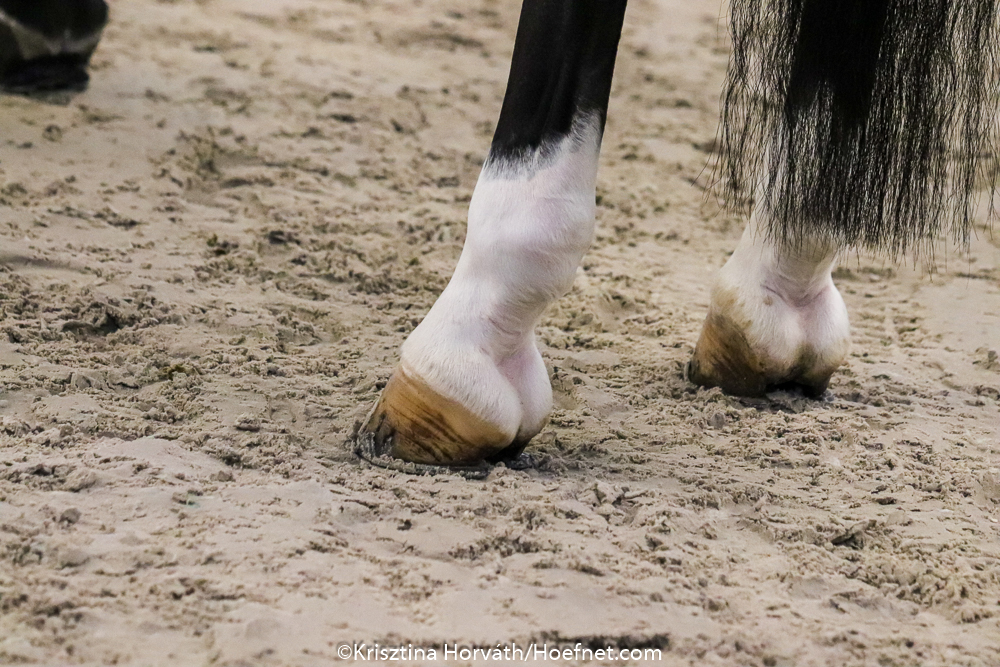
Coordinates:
<point>45,46</point>
<point>414,423</point>
<point>724,358</point>
<point>775,320</point>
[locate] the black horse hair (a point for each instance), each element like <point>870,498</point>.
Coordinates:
<point>868,123</point>
<point>58,18</point>
<point>560,77</point>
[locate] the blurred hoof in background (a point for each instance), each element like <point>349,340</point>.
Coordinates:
<point>45,45</point>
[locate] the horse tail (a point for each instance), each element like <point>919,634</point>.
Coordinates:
<point>864,122</point>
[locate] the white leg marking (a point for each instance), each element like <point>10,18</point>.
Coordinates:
<point>783,303</point>
<point>529,226</point>
<point>789,297</point>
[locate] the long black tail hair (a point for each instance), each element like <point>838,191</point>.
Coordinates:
<point>864,122</point>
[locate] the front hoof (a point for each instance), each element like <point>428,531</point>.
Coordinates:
<point>412,422</point>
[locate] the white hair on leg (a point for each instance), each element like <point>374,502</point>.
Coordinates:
<point>530,222</point>
<point>775,317</point>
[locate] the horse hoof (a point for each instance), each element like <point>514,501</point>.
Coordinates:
<point>725,358</point>
<point>45,45</point>
<point>414,423</point>
<point>772,323</point>
<point>46,75</point>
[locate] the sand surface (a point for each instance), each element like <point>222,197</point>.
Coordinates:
<point>209,259</point>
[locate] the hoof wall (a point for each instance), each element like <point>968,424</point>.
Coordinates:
<point>414,424</point>
<point>724,358</point>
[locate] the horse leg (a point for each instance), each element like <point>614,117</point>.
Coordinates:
<point>46,45</point>
<point>775,318</point>
<point>471,385</point>
<point>860,123</point>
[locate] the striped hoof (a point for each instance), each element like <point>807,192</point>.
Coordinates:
<point>775,320</point>
<point>45,45</point>
<point>414,423</point>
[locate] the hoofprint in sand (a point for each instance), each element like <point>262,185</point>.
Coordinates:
<point>208,262</point>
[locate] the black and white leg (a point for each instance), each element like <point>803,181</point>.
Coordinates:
<point>471,385</point>
<point>862,123</point>
<point>47,44</point>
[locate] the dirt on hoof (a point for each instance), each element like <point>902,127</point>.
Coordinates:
<point>209,260</point>
<point>723,358</point>
<point>413,423</point>
<point>366,449</point>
